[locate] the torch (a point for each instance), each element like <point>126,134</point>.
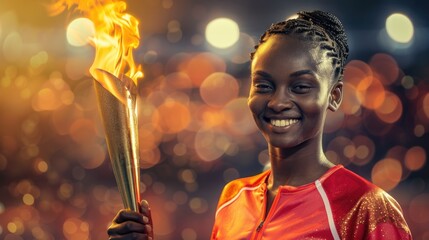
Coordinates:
<point>121,128</point>
<point>116,74</point>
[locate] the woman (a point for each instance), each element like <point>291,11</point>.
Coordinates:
<point>296,72</point>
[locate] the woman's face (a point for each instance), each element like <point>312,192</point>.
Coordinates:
<point>291,90</point>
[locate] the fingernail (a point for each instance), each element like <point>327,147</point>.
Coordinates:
<point>148,228</point>
<point>150,238</point>
<point>145,203</point>
<point>145,219</point>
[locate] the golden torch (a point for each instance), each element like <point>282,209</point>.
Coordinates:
<point>115,74</point>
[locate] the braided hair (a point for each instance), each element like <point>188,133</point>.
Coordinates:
<point>322,28</point>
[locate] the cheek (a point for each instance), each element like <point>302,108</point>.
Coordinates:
<point>315,107</point>
<point>255,104</point>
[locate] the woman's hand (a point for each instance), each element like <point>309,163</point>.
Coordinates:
<point>128,224</point>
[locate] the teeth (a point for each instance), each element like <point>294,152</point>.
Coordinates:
<point>283,122</point>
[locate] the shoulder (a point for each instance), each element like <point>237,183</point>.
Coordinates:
<point>234,187</point>
<point>360,207</point>
<point>343,183</point>
<point>377,214</point>
<point>351,190</point>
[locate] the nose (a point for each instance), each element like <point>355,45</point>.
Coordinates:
<point>280,101</point>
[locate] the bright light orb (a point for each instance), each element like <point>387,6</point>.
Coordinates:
<point>79,32</point>
<point>400,28</point>
<point>222,32</point>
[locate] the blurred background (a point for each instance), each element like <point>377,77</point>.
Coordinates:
<point>195,130</point>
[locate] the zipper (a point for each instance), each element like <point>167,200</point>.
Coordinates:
<point>260,226</point>
<point>255,234</point>
<point>270,213</point>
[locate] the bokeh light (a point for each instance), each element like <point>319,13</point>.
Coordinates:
<point>400,28</point>
<point>171,117</point>
<point>222,32</point>
<point>391,109</point>
<point>387,173</point>
<point>238,117</point>
<point>202,65</point>
<point>13,47</point>
<point>415,158</point>
<point>218,89</point>
<point>80,31</point>
<point>211,145</point>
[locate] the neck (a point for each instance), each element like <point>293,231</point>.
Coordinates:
<point>297,166</point>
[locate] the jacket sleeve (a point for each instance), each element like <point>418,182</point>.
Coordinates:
<point>376,215</point>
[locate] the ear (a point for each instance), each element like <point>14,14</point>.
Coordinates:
<point>336,96</point>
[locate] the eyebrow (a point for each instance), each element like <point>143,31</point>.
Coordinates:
<point>292,75</point>
<point>302,72</point>
<point>262,74</point>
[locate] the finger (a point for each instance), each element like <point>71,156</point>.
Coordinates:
<point>128,227</point>
<point>145,210</point>
<point>147,218</point>
<point>131,236</point>
<point>128,215</point>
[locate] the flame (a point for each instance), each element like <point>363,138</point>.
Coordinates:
<point>116,36</point>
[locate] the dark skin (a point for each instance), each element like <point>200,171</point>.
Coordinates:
<point>292,89</point>
<point>130,225</point>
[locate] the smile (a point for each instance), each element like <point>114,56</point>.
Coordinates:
<point>283,122</point>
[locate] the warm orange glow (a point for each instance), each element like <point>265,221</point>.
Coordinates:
<point>391,109</point>
<point>171,117</point>
<point>351,99</point>
<point>218,89</point>
<point>387,173</point>
<point>116,36</point>
<point>212,117</point>
<point>358,73</point>
<point>82,131</point>
<point>238,117</point>
<point>373,95</point>
<point>415,158</point>
<point>91,155</point>
<point>202,65</point>
<point>211,145</point>
<point>386,66</point>
<point>74,228</point>
<point>149,157</point>
<point>151,140</point>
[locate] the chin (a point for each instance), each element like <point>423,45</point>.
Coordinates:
<point>283,143</point>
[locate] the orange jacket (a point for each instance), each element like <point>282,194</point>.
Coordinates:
<point>339,205</point>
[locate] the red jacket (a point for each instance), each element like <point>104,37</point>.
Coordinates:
<point>339,205</point>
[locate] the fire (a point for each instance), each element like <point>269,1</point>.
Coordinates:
<point>116,36</point>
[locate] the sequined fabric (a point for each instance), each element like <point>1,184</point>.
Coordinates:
<point>376,214</point>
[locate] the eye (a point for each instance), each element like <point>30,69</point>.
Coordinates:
<point>262,87</point>
<point>301,88</point>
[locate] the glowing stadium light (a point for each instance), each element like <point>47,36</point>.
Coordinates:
<point>399,28</point>
<point>79,32</point>
<point>222,32</point>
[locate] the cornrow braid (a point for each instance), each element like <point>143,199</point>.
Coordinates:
<point>319,27</point>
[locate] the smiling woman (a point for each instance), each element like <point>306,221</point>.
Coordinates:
<point>297,72</point>
<point>297,77</point>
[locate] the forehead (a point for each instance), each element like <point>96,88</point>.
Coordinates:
<point>287,53</point>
